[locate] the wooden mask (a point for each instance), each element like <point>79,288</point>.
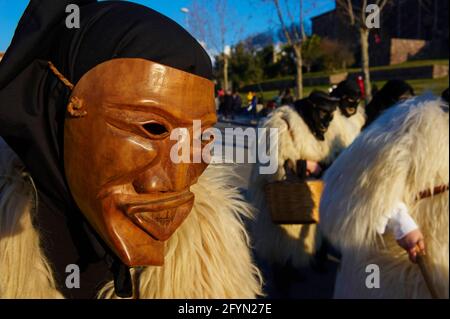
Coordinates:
<point>117,152</point>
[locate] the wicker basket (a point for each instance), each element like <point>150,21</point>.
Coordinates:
<point>294,201</point>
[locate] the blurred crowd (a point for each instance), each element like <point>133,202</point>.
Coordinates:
<point>232,103</point>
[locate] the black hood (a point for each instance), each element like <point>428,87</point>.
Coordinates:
<point>389,95</point>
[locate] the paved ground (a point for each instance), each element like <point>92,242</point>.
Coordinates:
<point>285,282</point>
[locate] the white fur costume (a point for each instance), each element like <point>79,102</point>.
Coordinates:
<point>279,243</point>
<point>345,129</point>
<point>404,152</point>
<point>207,257</point>
<point>359,119</point>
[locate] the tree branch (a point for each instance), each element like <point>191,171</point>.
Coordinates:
<point>302,26</point>
<point>283,25</point>
<point>294,27</point>
<point>381,4</point>
<point>363,13</point>
<point>350,12</point>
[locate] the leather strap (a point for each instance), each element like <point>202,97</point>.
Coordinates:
<point>436,191</point>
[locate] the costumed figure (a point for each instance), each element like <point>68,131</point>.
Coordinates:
<point>303,142</point>
<point>386,202</point>
<point>393,92</point>
<point>350,116</point>
<point>87,177</point>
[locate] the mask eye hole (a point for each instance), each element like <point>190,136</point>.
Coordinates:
<point>156,129</point>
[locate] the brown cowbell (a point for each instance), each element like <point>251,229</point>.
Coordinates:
<point>117,156</point>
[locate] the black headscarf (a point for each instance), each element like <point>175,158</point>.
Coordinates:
<point>388,96</point>
<point>33,104</point>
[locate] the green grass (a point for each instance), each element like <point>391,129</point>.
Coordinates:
<point>420,86</point>
<point>408,64</point>
<point>268,95</point>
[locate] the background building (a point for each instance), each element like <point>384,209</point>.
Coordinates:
<point>410,29</point>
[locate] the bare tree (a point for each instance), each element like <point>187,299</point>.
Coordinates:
<point>294,37</point>
<point>291,16</point>
<point>355,15</point>
<point>213,22</point>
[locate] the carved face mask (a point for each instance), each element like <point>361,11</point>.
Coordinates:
<point>117,153</point>
<point>349,94</point>
<point>349,105</point>
<point>317,111</point>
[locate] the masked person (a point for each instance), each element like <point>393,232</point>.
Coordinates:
<point>386,199</point>
<point>393,92</point>
<point>302,140</point>
<point>350,116</point>
<point>91,184</point>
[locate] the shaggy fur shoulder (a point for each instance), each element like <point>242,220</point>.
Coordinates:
<point>359,119</point>
<point>207,257</point>
<point>404,152</point>
<point>24,272</point>
<point>343,130</point>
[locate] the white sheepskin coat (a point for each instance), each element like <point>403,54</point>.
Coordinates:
<point>403,153</point>
<point>359,119</point>
<point>207,257</point>
<point>345,129</point>
<point>280,243</point>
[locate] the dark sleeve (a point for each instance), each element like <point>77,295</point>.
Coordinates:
<point>301,169</point>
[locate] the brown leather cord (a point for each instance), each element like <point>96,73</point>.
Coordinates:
<point>436,191</point>
<point>75,106</point>
<point>61,77</point>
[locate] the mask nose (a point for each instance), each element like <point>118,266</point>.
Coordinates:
<point>154,180</point>
<point>184,175</point>
<point>180,176</point>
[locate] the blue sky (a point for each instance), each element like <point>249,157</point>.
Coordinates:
<point>254,15</point>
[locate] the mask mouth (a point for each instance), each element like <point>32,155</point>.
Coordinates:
<point>160,217</point>
<point>157,201</point>
<point>350,110</point>
<point>323,128</point>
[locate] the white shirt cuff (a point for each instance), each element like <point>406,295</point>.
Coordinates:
<point>400,223</point>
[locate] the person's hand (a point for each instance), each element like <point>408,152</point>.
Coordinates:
<point>410,242</point>
<point>313,168</point>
